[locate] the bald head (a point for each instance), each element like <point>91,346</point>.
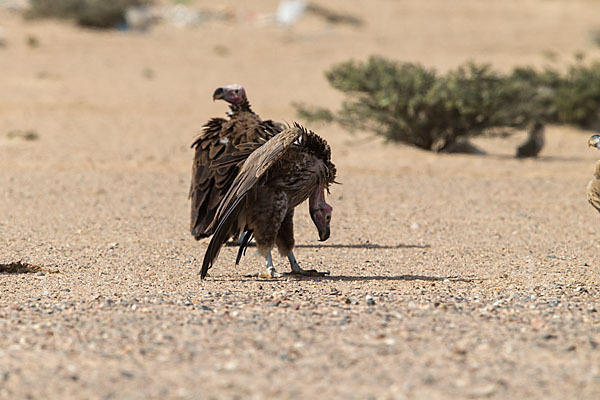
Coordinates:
<point>233,94</point>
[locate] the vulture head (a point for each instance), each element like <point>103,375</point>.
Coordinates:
<point>594,141</point>
<point>320,212</point>
<point>233,94</point>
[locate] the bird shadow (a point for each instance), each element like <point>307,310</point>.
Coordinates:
<point>356,278</point>
<point>537,159</point>
<point>349,246</point>
<point>363,246</point>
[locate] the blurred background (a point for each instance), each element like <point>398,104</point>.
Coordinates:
<point>95,70</point>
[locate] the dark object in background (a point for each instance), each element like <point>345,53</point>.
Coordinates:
<point>105,14</point>
<point>32,41</point>
<point>331,16</point>
<point>28,135</point>
<point>463,146</point>
<point>534,143</point>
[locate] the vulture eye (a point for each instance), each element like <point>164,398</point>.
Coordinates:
<point>328,218</point>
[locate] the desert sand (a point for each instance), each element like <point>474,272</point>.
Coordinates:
<point>452,276</point>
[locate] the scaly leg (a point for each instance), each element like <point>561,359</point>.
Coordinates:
<point>297,270</point>
<point>270,272</point>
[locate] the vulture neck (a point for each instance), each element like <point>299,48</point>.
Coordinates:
<point>597,170</point>
<point>245,106</point>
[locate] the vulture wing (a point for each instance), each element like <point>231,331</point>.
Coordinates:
<point>255,166</point>
<point>208,146</point>
<point>220,138</point>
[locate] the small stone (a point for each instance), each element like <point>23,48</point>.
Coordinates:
<point>126,374</point>
<point>276,303</point>
<point>369,299</point>
<point>230,366</point>
<point>484,391</point>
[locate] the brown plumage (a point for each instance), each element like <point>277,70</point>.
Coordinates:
<point>593,187</point>
<point>274,178</point>
<point>220,137</point>
<point>534,143</point>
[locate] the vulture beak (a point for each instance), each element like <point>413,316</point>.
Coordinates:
<point>594,141</point>
<point>218,94</point>
<point>320,212</point>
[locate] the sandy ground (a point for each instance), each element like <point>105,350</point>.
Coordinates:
<point>451,276</point>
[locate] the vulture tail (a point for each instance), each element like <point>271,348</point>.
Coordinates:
<point>221,235</point>
<point>243,245</point>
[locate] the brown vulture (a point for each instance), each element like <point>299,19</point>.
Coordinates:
<point>219,137</point>
<point>534,143</point>
<point>275,177</point>
<point>593,188</point>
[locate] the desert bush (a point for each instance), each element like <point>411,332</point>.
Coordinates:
<point>90,13</point>
<point>577,96</point>
<point>412,104</point>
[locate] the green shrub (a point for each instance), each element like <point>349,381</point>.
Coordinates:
<point>90,13</point>
<point>412,104</point>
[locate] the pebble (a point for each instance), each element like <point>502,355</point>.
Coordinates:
<point>351,301</point>
<point>369,299</point>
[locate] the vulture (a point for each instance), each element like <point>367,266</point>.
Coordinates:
<point>593,188</point>
<point>219,137</point>
<point>534,143</point>
<point>275,176</point>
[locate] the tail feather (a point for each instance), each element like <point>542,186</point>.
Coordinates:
<point>221,235</point>
<point>246,238</point>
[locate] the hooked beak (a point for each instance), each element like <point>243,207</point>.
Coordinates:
<point>218,94</point>
<point>320,213</point>
<point>324,234</point>
<point>594,141</point>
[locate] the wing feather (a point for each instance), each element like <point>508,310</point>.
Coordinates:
<point>228,213</point>
<point>256,164</point>
<point>222,139</point>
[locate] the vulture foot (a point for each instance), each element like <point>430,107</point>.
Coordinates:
<point>297,270</point>
<point>270,273</point>
<point>306,272</point>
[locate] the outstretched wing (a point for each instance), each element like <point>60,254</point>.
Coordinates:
<point>257,163</point>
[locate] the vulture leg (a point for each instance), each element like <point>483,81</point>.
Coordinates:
<point>297,270</point>
<point>270,272</point>
<point>285,244</point>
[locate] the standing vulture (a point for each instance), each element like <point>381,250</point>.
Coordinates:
<point>274,178</point>
<point>219,137</point>
<point>593,188</point>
